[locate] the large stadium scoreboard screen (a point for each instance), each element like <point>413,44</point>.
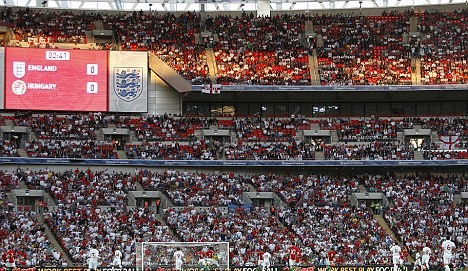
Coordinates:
<point>73,80</point>
<point>44,79</point>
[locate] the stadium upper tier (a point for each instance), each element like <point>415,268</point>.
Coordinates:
<point>394,48</point>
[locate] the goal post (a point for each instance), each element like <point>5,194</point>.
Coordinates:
<point>197,256</point>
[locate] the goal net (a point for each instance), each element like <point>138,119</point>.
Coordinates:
<point>196,256</point>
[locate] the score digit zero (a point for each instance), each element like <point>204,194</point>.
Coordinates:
<point>92,69</point>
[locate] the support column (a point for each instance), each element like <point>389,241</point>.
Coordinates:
<point>263,8</point>
<point>42,3</point>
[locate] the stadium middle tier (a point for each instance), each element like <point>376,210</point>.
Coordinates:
<point>165,137</point>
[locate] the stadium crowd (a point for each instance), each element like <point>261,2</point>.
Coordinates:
<point>247,232</point>
<point>372,151</point>
<point>302,190</point>
<point>442,47</point>
<point>352,49</point>
<point>48,27</point>
<point>170,37</point>
<point>445,154</point>
<point>8,148</point>
<point>196,150</point>
<point>269,151</point>
<point>22,233</point>
<point>167,137</point>
<point>420,204</point>
<point>8,181</point>
<point>103,188</point>
<point>165,128</point>
<point>363,50</point>
<point>196,189</point>
<point>350,231</point>
<point>80,149</point>
<point>260,50</point>
<point>92,206</point>
<point>79,226</point>
<point>210,207</point>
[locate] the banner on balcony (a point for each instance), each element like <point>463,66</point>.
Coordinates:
<point>449,142</point>
<point>211,89</point>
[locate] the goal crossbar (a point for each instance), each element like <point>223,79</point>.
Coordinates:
<point>157,255</point>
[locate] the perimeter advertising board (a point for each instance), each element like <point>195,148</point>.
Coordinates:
<point>233,268</point>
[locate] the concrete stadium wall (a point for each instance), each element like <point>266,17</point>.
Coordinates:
<point>445,171</point>
<point>161,97</point>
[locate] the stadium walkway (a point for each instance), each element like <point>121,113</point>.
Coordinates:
<point>384,225</point>
<point>389,231</point>
<point>22,153</point>
<point>121,154</point>
<point>53,240</point>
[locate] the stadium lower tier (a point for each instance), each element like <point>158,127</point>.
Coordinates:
<point>57,216</point>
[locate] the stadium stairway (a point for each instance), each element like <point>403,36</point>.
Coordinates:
<point>334,137</point>
<point>89,36</point>
<point>165,203</point>
<point>22,185</point>
<point>99,25</point>
<point>139,187</point>
<point>418,155</point>
<point>121,154</point>
<point>173,231</point>
<point>314,68</point>
<point>100,134</point>
<point>197,37</point>
<point>89,33</point>
<point>211,60</point>
<point>384,225</point>
<point>309,27</point>
<point>53,240</point>
<point>435,137</point>
<point>389,231</point>
<point>405,38</point>
<point>401,136</point>
<point>319,155</point>
<point>50,201</point>
<point>11,197</point>
<point>413,24</point>
<point>313,61</point>
<point>9,122</point>
<point>415,71</point>
<point>32,136</point>
<point>198,134</point>
<point>320,42</point>
<point>362,188</point>
<point>457,199</point>
<point>22,152</point>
